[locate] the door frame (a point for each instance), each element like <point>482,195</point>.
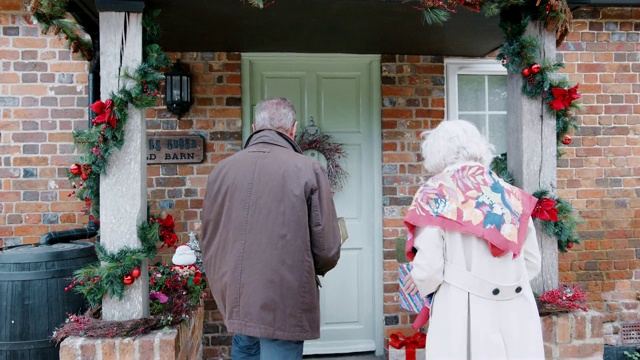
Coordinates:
<point>376,142</point>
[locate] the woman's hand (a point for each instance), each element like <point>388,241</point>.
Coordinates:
<point>410,286</point>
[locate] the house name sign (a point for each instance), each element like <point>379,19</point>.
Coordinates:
<point>175,149</point>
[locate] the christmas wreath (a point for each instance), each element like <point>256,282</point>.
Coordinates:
<point>332,152</point>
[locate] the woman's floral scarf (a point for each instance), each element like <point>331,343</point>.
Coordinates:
<point>474,200</point>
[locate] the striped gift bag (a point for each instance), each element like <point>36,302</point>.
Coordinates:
<point>413,303</point>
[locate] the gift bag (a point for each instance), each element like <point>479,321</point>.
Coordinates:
<point>407,348</point>
<point>414,303</point>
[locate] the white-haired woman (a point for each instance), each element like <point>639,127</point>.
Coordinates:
<point>473,246</point>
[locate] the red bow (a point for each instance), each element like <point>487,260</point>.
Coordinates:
<point>563,98</point>
<point>417,341</point>
<point>545,210</point>
<point>105,113</point>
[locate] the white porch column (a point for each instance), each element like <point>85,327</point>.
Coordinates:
<point>123,189</point>
<point>531,146</point>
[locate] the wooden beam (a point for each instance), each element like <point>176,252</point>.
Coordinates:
<point>123,189</point>
<point>531,149</point>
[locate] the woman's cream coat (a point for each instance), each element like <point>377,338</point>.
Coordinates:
<point>464,325</point>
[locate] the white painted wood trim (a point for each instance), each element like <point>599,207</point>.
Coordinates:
<point>474,66</point>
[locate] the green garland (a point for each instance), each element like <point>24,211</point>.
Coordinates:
<point>52,15</point>
<point>565,229</point>
<point>101,140</point>
<point>99,143</point>
<point>95,281</point>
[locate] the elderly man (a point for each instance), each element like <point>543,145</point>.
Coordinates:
<point>269,229</point>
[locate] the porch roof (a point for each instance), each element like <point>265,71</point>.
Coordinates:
<point>313,26</point>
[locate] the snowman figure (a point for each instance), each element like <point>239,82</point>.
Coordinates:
<point>184,256</point>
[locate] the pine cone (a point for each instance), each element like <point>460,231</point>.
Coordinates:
<point>551,23</point>
<point>56,29</point>
<point>86,169</point>
<point>430,3</point>
<point>34,7</point>
<point>452,3</point>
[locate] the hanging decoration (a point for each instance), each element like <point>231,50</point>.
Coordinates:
<point>312,139</point>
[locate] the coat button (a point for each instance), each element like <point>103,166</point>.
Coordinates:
<point>518,289</point>
<point>496,291</point>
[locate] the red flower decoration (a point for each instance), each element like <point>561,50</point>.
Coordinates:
<point>166,231</point>
<point>563,98</point>
<point>545,210</point>
<point>105,113</point>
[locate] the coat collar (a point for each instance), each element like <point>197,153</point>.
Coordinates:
<point>274,137</point>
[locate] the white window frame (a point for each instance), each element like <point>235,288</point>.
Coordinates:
<point>466,66</point>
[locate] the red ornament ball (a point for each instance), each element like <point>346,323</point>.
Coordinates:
<point>135,273</point>
<point>84,176</point>
<point>569,246</point>
<point>127,280</point>
<point>566,140</point>
<point>75,169</point>
<point>526,72</point>
<point>535,68</point>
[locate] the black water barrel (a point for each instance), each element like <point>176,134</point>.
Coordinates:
<point>33,302</point>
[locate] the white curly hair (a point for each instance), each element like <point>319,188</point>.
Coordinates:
<point>453,142</point>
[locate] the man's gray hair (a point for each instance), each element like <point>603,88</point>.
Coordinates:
<point>277,114</point>
<point>453,142</point>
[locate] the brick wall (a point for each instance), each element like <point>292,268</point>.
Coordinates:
<point>42,99</point>
<point>412,101</point>
<point>179,189</point>
<point>600,172</point>
<point>576,335</point>
<point>182,342</point>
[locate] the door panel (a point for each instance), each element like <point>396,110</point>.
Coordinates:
<point>337,92</point>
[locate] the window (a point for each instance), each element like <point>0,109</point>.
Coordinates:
<point>477,92</point>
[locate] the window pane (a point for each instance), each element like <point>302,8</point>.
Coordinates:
<point>498,132</point>
<point>471,93</point>
<point>478,120</point>
<point>497,92</point>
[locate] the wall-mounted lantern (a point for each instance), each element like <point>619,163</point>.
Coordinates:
<point>177,89</point>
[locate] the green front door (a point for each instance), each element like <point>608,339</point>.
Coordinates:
<point>342,95</point>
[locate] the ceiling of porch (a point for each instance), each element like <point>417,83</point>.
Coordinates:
<point>313,26</point>
<point>321,26</point>
<point>309,26</point>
